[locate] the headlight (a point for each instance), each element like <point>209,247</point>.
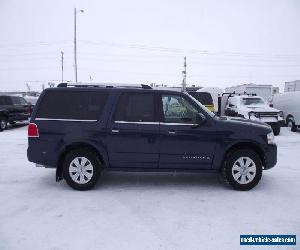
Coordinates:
<point>252,115</point>
<point>270,138</point>
<point>280,114</point>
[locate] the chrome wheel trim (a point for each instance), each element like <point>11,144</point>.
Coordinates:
<point>244,170</point>
<point>81,170</point>
<point>290,124</point>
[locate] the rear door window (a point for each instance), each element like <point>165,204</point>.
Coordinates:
<point>135,107</point>
<point>72,105</point>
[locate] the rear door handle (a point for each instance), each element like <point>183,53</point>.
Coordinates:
<point>172,132</point>
<point>115,131</point>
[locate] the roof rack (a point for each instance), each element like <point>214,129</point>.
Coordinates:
<point>230,94</point>
<point>103,85</point>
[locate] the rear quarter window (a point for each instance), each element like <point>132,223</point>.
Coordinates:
<point>72,105</point>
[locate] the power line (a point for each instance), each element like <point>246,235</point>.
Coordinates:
<point>190,51</point>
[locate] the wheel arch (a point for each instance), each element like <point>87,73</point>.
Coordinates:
<point>4,113</point>
<point>288,116</point>
<point>77,145</point>
<point>245,145</point>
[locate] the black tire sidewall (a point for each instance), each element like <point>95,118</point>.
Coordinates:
<point>230,162</point>
<point>92,157</point>
<point>293,127</point>
<point>276,129</point>
<point>5,120</point>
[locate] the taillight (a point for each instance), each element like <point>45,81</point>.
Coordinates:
<point>33,130</point>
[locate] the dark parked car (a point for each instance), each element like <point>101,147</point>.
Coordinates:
<point>82,131</point>
<point>14,108</point>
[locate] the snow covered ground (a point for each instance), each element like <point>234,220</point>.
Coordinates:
<point>143,210</point>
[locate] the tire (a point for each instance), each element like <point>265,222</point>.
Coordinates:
<point>3,123</point>
<point>291,124</point>
<point>243,169</point>
<point>81,169</point>
<point>276,129</point>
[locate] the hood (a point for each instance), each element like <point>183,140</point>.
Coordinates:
<point>238,120</point>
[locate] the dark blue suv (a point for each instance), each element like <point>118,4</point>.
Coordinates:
<point>83,130</point>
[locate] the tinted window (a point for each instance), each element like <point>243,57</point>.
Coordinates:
<point>76,105</point>
<point>5,100</point>
<point>135,107</point>
<point>252,101</point>
<point>203,97</point>
<point>16,100</point>
<point>178,109</point>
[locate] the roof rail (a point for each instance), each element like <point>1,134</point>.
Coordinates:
<point>103,85</point>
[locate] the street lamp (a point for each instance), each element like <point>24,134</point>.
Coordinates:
<point>75,41</point>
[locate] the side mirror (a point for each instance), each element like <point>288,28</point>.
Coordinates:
<point>200,119</point>
<point>271,105</point>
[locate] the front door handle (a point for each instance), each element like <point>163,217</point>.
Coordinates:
<point>115,131</point>
<point>172,132</point>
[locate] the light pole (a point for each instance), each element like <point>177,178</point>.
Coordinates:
<point>75,42</point>
<point>183,89</point>
<point>62,66</point>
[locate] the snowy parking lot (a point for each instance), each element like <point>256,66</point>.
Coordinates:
<point>143,210</point>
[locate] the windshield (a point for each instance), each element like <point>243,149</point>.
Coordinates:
<point>252,101</point>
<point>18,100</point>
<point>211,114</point>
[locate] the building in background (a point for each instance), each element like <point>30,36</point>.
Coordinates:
<point>292,86</point>
<point>266,91</point>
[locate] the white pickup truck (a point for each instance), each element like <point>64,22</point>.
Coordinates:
<point>254,108</point>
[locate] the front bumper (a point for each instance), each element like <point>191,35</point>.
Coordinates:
<point>278,123</point>
<point>270,156</point>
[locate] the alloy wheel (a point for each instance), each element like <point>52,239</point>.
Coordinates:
<point>244,170</point>
<point>81,170</point>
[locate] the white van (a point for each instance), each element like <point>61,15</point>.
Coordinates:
<point>289,103</point>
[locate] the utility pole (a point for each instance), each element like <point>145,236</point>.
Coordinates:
<point>184,76</point>
<point>75,42</point>
<point>62,66</point>
<point>75,45</point>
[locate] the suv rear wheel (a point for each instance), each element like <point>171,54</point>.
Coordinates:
<point>3,123</point>
<point>81,169</point>
<point>243,169</point>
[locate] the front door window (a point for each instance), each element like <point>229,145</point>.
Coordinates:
<point>177,109</point>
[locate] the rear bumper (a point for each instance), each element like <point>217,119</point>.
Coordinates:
<point>39,157</point>
<point>270,156</point>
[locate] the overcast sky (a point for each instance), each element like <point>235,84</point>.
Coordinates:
<point>226,42</point>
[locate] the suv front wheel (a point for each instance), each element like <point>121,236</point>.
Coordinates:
<point>291,124</point>
<point>243,169</point>
<point>81,169</point>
